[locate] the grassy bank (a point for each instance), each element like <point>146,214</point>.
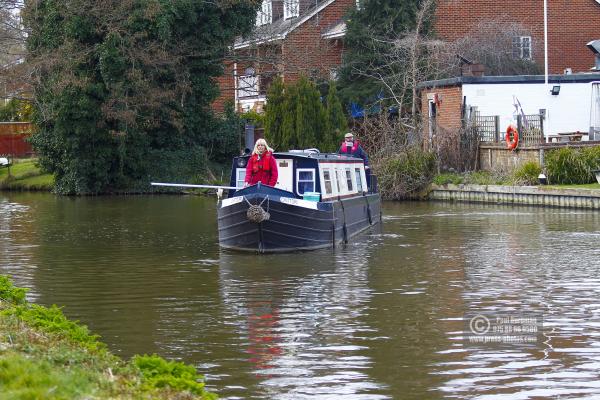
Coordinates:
<point>43,355</point>
<point>25,175</point>
<point>491,178</point>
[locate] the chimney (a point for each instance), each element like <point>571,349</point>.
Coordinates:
<point>594,46</point>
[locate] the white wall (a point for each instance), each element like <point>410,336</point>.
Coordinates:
<point>567,112</point>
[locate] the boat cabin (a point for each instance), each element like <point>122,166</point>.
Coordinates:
<point>311,175</point>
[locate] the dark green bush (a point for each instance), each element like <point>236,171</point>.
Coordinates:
<point>571,166</point>
<point>406,174</point>
<point>527,174</point>
<point>10,293</point>
<point>160,373</point>
<point>592,157</point>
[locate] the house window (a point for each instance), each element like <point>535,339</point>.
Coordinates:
<point>290,8</point>
<point>305,181</point>
<point>240,176</point>
<point>358,4</point>
<point>333,74</point>
<point>522,47</point>
<point>327,181</point>
<point>265,14</point>
<point>359,185</point>
<point>247,86</point>
<point>349,179</point>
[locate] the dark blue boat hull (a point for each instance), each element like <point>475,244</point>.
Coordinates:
<point>293,224</point>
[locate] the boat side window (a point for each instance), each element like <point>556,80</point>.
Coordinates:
<point>338,181</point>
<point>305,180</point>
<point>240,176</point>
<point>359,185</point>
<point>349,180</point>
<point>327,181</point>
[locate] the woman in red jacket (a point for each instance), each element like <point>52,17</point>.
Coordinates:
<point>262,166</point>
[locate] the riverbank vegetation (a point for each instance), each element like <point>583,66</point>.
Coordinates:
<point>527,174</point>
<point>115,102</point>
<point>43,355</point>
<point>25,174</point>
<point>568,165</point>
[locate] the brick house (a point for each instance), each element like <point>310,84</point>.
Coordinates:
<point>306,36</point>
<point>572,64</point>
<point>292,37</point>
<point>571,25</point>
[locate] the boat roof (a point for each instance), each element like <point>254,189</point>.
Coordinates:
<point>316,156</point>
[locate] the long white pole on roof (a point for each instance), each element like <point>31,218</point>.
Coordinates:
<point>185,185</point>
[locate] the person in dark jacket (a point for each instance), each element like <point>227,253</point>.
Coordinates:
<point>262,166</point>
<point>353,148</point>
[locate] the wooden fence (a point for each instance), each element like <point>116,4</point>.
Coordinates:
<point>12,139</point>
<point>531,128</point>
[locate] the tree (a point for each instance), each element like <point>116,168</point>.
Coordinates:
<point>12,49</point>
<point>367,41</point>
<point>295,116</point>
<point>115,81</point>
<point>15,111</point>
<point>274,113</point>
<point>337,123</point>
<point>494,43</point>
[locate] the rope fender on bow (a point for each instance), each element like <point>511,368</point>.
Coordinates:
<point>256,213</point>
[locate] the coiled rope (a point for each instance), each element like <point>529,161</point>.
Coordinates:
<point>256,213</point>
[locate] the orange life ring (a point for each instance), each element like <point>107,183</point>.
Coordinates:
<point>512,137</point>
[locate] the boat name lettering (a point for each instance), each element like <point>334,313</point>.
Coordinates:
<point>231,201</point>
<point>299,203</point>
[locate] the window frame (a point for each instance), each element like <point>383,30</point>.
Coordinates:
<point>264,16</point>
<point>251,87</point>
<point>237,177</point>
<point>338,182</point>
<point>359,181</point>
<point>325,181</point>
<point>291,8</point>
<point>349,180</point>
<point>521,51</point>
<point>314,179</point>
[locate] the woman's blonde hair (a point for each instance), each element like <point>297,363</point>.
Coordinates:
<point>261,141</point>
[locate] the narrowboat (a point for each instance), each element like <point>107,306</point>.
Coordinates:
<point>320,200</point>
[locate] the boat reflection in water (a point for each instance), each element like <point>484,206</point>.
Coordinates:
<point>302,327</point>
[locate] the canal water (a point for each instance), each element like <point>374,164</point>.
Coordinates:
<point>381,318</point>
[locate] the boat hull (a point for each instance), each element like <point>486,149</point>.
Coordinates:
<point>293,224</point>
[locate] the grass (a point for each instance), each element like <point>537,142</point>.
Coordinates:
<point>583,186</point>
<point>25,175</point>
<point>489,178</point>
<point>472,178</point>
<point>44,355</point>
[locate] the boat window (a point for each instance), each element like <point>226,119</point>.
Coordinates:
<point>305,181</point>
<point>359,185</point>
<point>240,176</point>
<point>327,181</point>
<point>338,181</point>
<point>349,179</point>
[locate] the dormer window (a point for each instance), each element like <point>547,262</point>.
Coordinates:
<point>291,8</point>
<point>265,14</point>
